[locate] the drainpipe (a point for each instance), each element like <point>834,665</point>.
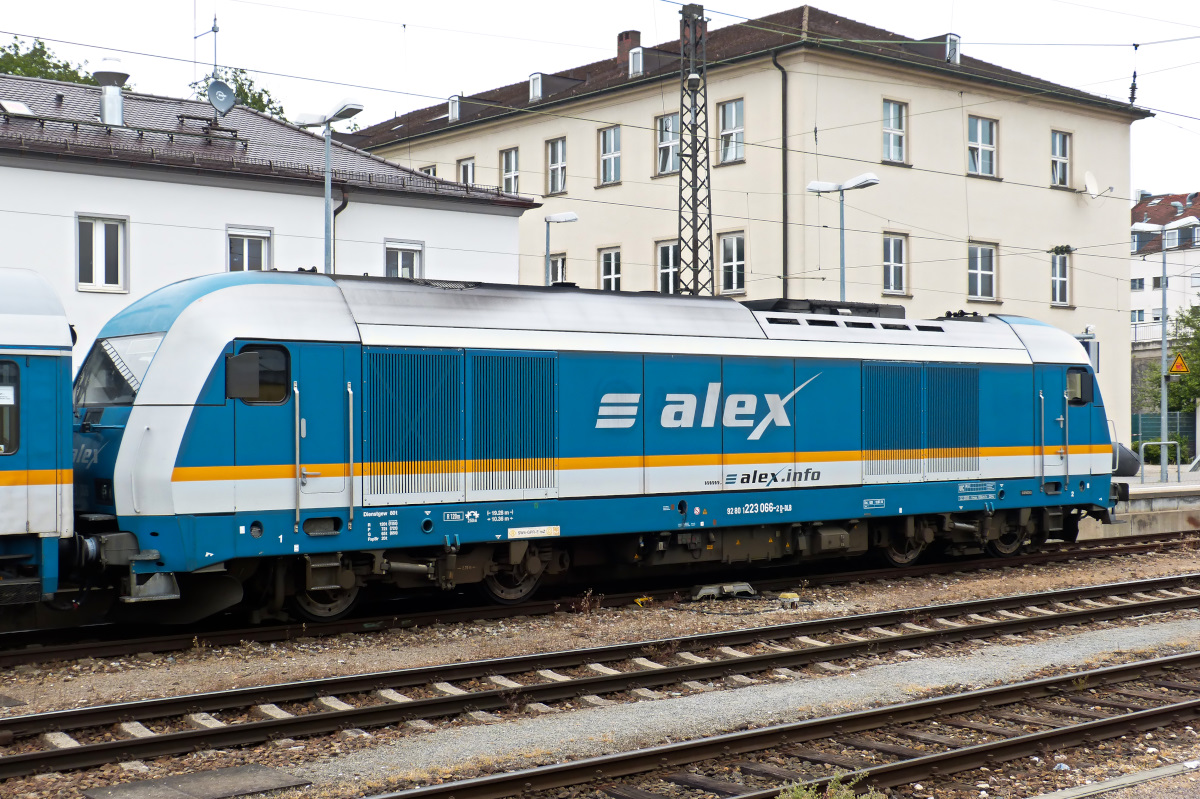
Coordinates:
<point>784,165</point>
<point>336,211</point>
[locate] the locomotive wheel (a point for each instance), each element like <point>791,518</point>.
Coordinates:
<point>1009,543</point>
<point>511,586</point>
<point>900,550</point>
<point>324,605</point>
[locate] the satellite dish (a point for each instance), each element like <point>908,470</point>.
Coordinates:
<point>223,98</point>
<point>1090,184</point>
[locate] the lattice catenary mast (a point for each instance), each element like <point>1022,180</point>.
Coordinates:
<point>695,195</point>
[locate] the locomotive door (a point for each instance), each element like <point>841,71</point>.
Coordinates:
<point>320,387</point>
<point>301,399</point>
<point>14,463</point>
<point>1049,418</point>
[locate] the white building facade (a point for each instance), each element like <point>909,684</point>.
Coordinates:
<point>111,212</point>
<point>1175,219</point>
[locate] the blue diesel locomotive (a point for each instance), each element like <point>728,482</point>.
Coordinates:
<point>286,439</point>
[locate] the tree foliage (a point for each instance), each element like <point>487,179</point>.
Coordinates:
<point>39,62</point>
<point>248,93</point>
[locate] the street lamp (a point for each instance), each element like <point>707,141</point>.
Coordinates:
<point>344,110</point>
<point>1164,375</point>
<point>862,181</point>
<point>565,216</point>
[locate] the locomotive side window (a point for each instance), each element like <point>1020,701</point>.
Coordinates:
<point>10,407</point>
<point>1080,387</point>
<point>274,374</point>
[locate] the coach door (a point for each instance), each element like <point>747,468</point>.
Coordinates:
<point>14,490</point>
<point>1050,422</point>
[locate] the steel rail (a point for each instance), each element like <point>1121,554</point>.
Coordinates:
<point>39,651</point>
<point>505,698</point>
<point>622,764</point>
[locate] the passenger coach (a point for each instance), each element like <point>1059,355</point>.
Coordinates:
<point>292,437</point>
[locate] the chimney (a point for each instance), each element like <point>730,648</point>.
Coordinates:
<point>111,78</point>
<point>626,41</point>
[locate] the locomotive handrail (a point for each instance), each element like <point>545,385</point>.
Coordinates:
<point>1042,443</point>
<point>350,447</point>
<point>1066,437</point>
<point>296,393</point>
<point>133,472</point>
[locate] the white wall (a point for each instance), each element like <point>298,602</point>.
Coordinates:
<point>178,230</point>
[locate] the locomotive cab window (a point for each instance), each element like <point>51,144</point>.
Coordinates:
<point>1080,387</point>
<point>10,407</point>
<point>114,370</point>
<point>260,374</point>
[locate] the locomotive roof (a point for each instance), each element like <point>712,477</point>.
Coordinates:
<point>391,311</point>
<point>33,315</point>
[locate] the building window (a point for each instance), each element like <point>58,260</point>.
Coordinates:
<point>101,254</point>
<point>1135,243</point>
<point>1196,236</point>
<point>249,250</point>
<point>452,108</point>
<point>1058,279</point>
<point>510,170</point>
<point>635,62</point>
<point>1158,282</point>
<point>1156,314</point>
<point>1172,238</point>
<point>610,270</point>
<point>981,272</point>
<point>732,132</point>
<point>1137,284</point>
<point>668,267</point>
<point>1195,279</point>
<point>894,120</point>
<point>1060,157</point>
<point>1137,316</point>
<point>668,144</point>
<point>893,265</point>
<point>10,407</point>
<point>556,166</point>
<point>733,262</point>
<point>466,171</point>
<point>430,170</point>
<point>535,87</point>
<point>402,259</point>
<point>558,268</point>
<point>981,146</point>
<point>610,155</point>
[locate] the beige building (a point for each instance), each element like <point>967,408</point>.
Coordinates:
<point>981,175</point>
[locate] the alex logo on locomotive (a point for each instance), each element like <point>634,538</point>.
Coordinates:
<point>619,411</point>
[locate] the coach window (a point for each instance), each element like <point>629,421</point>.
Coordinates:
<point>10,399</point>
<point>1079,386</point>
<point>274,374</point>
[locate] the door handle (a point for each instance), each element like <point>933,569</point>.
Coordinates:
<point>305,474</point>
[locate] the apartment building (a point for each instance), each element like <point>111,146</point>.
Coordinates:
<point>980,206</point>
<point>1173,219</point>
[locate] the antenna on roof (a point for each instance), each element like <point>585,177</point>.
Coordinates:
<point>213,30</point>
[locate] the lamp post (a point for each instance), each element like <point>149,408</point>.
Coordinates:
<point>565,216</point>
<point>344,110</point>
<point>819,187</point>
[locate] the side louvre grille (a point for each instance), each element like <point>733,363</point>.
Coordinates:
<point>891,419</point>
<point>512,442</point>
<point>412,418</point>
<point>952,397</point>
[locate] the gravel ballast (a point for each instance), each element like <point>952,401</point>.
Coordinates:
<point>587,733</point>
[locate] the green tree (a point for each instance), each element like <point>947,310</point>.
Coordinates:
<point>1184,390</point>
<point>39,62</point>
<point>247,91</point>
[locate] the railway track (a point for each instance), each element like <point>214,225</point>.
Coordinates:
<point>78,738</point>
<point>110,641</point>
<point>888,746</point>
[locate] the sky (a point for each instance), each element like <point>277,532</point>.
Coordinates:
<point>396,56</point>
